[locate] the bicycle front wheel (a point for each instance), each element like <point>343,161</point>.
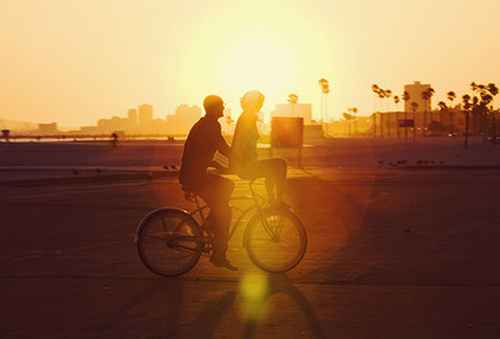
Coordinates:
<point>169,242</point>
<point>275,240</point>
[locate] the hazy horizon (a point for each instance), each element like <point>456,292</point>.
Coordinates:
<point>75,62</point>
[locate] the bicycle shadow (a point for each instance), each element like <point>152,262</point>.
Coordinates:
<point>280,283</point>
<point>206,323</point>
<point>173,296</point>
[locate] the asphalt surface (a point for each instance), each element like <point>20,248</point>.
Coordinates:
<point>393,253</point>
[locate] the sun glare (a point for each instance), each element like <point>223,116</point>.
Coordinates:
<point>257,64</point>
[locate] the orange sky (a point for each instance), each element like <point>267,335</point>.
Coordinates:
<point>73,62</point>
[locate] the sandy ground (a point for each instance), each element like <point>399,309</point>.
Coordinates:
<point>394,252</point>
<point>22,161</point>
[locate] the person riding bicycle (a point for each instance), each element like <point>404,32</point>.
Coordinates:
<point>204,140</point>
<point>244,159</point>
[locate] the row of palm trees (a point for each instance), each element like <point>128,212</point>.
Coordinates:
<point>479,106</point>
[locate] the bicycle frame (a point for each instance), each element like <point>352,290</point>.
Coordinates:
<point>201,210</point>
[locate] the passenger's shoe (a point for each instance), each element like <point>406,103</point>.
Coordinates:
<point>220,261</point>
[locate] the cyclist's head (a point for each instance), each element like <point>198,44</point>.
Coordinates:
<point>214,105</point>
<point>252,101</point>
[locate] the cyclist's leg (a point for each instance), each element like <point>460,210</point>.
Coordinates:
<point>216,194</point>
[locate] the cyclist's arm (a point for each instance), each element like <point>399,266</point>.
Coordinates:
<point>221,143</point>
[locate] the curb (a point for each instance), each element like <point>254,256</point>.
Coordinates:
<point>452,167</point>
<point>87,179</point>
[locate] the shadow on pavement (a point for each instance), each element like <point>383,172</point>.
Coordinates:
<point>280,283</point>
<point>208,320</point>
<point>172,301</point>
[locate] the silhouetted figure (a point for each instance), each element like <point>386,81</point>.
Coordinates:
<point>244,159</point>
<point>114,139</point>
<point>6,134</point>
<point>204,139</point>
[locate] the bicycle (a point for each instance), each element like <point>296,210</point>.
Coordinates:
<point>170,241</point>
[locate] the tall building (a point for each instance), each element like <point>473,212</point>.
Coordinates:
<point>415,91</point>
<point>145,114</point>
<point>132,116</point>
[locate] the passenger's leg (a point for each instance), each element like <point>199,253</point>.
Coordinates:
<point>274,170</point>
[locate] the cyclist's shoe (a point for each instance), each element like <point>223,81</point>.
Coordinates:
<point>220,261</point>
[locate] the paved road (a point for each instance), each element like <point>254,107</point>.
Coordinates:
<point>392,254</point>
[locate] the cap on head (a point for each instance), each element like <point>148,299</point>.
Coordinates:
<point>252,100</point>
<point>211,102</point>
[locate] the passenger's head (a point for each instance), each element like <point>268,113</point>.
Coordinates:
<point>252,101</point>
<point>214,106</point>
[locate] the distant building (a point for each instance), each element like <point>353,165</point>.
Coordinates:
<point>184,118</point>
<point>47,129</point>
<point>17,126</point>
<point>145,114</point>
<point>294,110</point>
<point>132,116</point>
<point>415,91</point>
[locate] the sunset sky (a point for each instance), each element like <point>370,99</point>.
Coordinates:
<point>73,62</point>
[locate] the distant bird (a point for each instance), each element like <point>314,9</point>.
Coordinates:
<point>98,170</point>
<point>75,171</point>
<point>173,167</point>
<point>401,162</point>
<point>165,167</point>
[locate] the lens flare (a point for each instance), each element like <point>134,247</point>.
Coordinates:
<point>254,288</point>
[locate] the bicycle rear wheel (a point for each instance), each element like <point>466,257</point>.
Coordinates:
<point>275,240</point>
<point>169,242</point>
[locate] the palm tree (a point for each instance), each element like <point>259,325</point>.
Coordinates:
<point>451,96</point>
<point>466,105</point>
<point>427,95</point>
<point>377,90</point>
<point>482,109</point>
<point>354,110</point>
<point>325,89</point>
<point>442,108</point>
<point>396,101</point>
<point>230,122</point>
<point>387,94</point>
<point>406,97</point>
<point>292,99</point>
<point>493,89</point>
<point>348,117</point>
